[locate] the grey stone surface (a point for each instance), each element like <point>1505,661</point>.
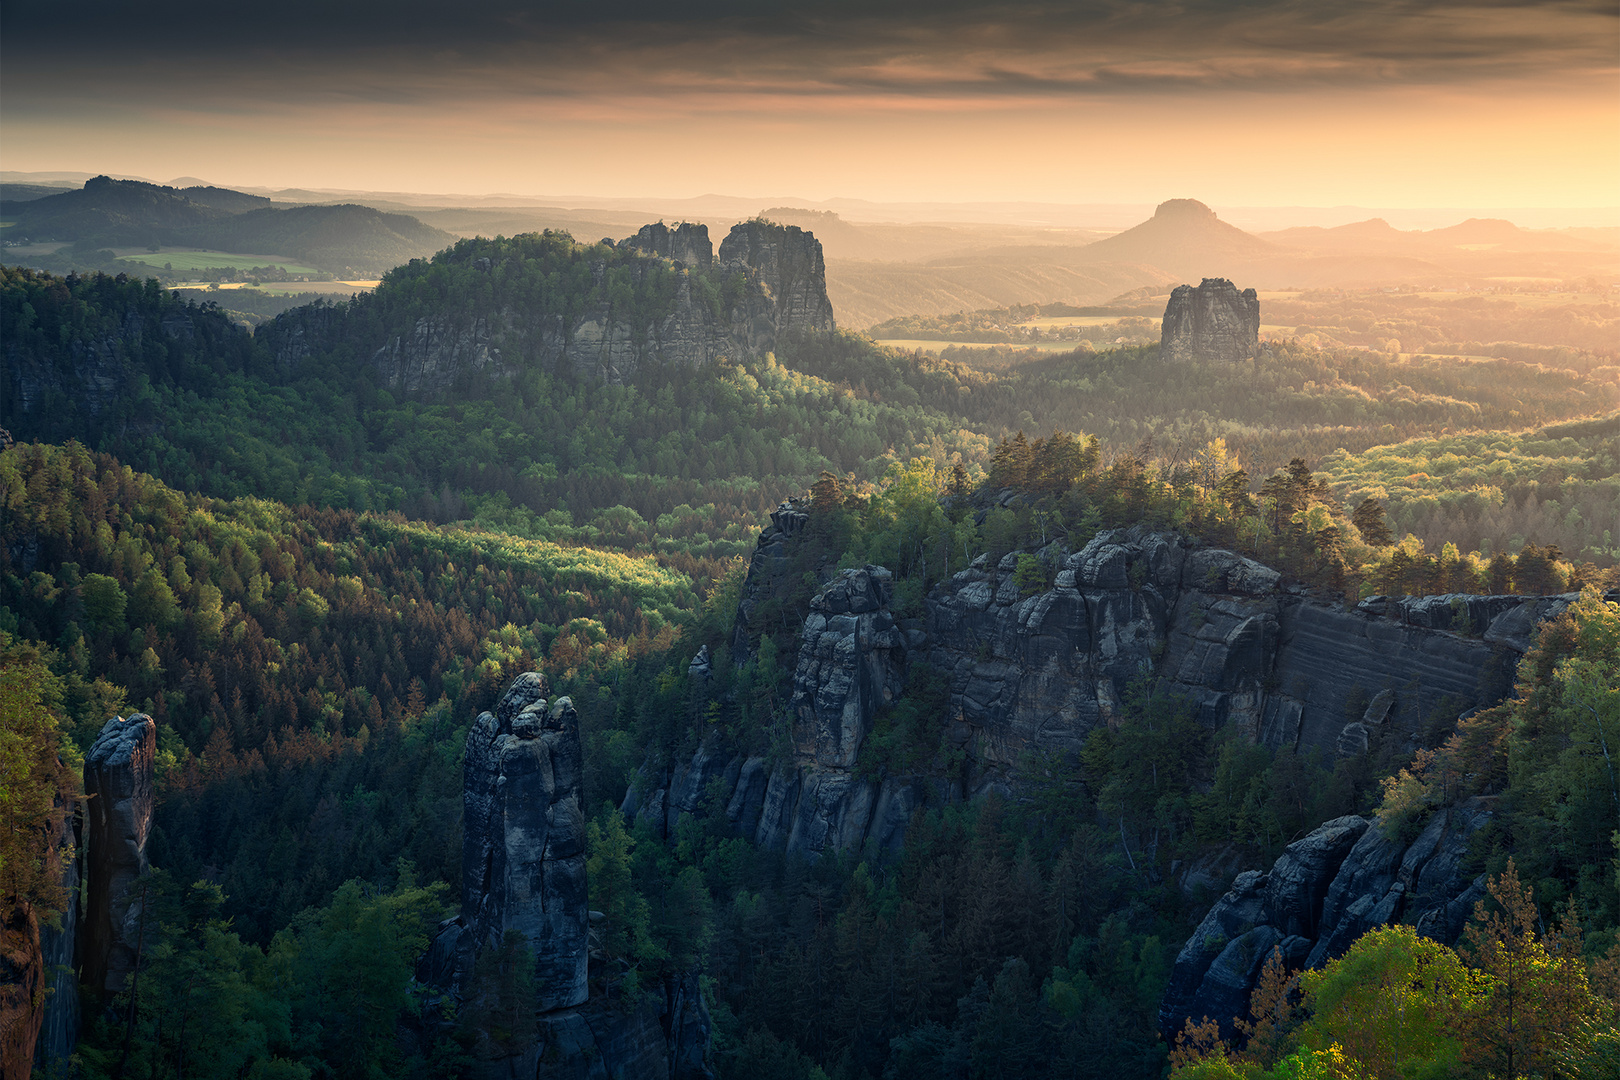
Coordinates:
<point>1328,889</point>
<point>118,786</point>
<point>1212,322</point>
<point>524,843</point>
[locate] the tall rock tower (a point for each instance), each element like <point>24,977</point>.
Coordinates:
<point>119,790</point>
<point>1211,322</point>
<point>523,848</point>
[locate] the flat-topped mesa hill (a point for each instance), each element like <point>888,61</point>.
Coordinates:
<point>484,310</point>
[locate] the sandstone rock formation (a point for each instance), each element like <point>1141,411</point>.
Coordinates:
<point>782,289</point>
<point>118,788</point>
<point>523,868</point>
<point>1037,671</point>
<point>523,845</point>
<point>686,244</point>
<point>1324,892</point>
<point>786,263</point>
<point>1212,322</point>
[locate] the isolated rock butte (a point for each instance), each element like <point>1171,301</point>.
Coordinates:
<point>119,799</point>
<point>1037,672</point>
<point>1212,322</point>
<point>1325,891</point>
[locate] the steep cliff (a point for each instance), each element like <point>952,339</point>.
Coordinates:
<point>1037,670</point>
<point>686,244</point>
<point>523,869</point>
<point>1212,322</point>
<point>1325,891</point>
<point>785,264</point>
<point>119,798</point>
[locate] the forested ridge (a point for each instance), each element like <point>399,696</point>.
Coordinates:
<point>314,587</point>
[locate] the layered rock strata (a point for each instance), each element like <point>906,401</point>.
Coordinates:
<point>1212,322</point>
<point>1036,669</point>
<point>1325,891</point>
<point>119,799</point>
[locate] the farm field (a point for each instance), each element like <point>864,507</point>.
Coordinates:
<point>925,345</point>
<point>200,260</point>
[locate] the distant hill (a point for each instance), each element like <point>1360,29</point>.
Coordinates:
<point>1183,238</point>
<point>348,237</point>
<point>112,212</point>
<point>122,213</point>
<point>218,198</point>
<point>1376,237</point>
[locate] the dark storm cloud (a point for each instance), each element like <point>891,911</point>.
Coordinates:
<point>916,49</point>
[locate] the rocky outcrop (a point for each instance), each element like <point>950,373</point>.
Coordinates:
<point>1037,667</point>
<point>523,869</point>
<point>768,568</point>
<point>523,842</point>
<point>1325,891</point>
<point>785,263</point>
<point>769,280</point>
<point>686,245</point>
<point>1212,322</point>
<point>119,799</point>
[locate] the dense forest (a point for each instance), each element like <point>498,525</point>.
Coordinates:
<point>315,586</point>
<point>683,463</point>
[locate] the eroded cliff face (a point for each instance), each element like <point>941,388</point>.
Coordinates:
<point>523,869</point>
<point>785,264</point>
<point>523,845</point>
<point>119,799</point>
<point>686,245</point>
<point>1212,322</point>
<point>1038,669</point>
<point>99,371</point>
<point>1325,891</point>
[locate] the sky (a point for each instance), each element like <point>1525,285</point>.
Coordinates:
<point>1270,102</point>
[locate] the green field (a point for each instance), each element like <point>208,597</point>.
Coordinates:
<point>924,345</point>
<point>202,260</point>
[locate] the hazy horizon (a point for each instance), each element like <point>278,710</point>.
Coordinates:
<point>1262,104</point>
